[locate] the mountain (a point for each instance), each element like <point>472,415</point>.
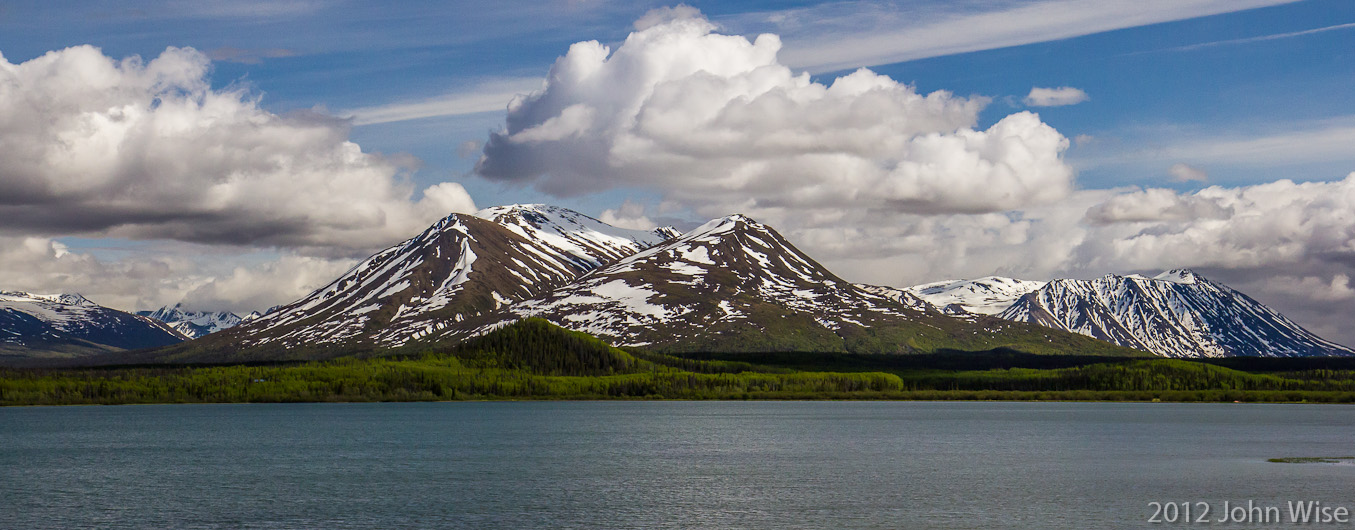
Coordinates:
<point>737,285</point>
<point>732,284</point>
<point>438,283</point>
<point>984,296</point>
<point>195,324</point>
<point>68,325</point>
<point>1176,314</point>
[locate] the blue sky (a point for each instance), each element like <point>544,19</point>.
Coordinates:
<point>1208,105</point>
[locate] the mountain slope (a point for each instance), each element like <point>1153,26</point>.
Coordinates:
<point>68,325</point>
<point>737,285</point>
<point>984,296</point>
<point>1175,314</point>
<point>438,282</point>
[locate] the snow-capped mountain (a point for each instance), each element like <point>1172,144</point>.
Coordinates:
<point>732,284</point>
<point>460,269</point>
<point>1175,314</point>
<point>578,235</point>
<point>195,324</point>
<point>709,287</point>
<point>68,325</point>
<point>737,285</point>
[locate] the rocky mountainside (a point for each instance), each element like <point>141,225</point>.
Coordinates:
<point>732,284</point>
<point>1174,314</point>
<point>737,285</point>
<point>68,325</point>
<point>441,281</point>
<point>196,324</point>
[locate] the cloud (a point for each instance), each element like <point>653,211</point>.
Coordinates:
<point>1276,224</point>
<point>488,96</point>
<point>148,150</point>
<point>629,215</point>
<point>202,277</point>
<point>1289,245</point>
<point>1321,142</point>
<point>664,15</point>
<point>1181,172</point>
<point>243,8</point>
<point>715,122</point>
<point>1335,289</point>
<point>1262,38</point>
<point>469,149</point>
<point>868,34</point>
<point>1055,97</point>
<point>259,287</point>
<point>1259,145</point>
<point>250,56</point>
<point>1156,205</point>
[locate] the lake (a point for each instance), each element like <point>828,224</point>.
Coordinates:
<point>727,465</point>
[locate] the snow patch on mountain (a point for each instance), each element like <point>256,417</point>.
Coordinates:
<point>195,324</point>
<point>985,296</point>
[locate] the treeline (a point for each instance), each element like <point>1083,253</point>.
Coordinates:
<point>534,359</point>
<point>430,378</point>
<point>1140,375</point>
<point>530,359</point>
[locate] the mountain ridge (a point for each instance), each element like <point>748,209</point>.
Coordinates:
<point>70,325</point>
<point>732,284</point>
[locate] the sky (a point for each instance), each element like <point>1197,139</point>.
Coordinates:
<point>235,155</point>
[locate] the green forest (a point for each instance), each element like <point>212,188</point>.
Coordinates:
<point>534,359</point>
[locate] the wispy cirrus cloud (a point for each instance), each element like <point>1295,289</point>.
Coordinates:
<point>1261,38</point>
<point>889,36</point>
<point>1321,142</point>
<point>488,96</point>
<point>1186,148</point>
<point>248,56</point>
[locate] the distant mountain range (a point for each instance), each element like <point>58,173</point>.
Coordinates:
<point>195,324</point>
<point>68,325</point>
<point>730,285</point>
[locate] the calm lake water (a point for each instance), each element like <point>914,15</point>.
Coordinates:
<point>721,465</point>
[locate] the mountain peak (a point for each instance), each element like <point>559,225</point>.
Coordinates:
<point>193,324</point>
<point>72,299</point>
<point>726,224</point>
<point>65,325</point>
<point>1181,276</point>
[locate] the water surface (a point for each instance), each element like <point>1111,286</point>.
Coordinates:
<point>658,464</point>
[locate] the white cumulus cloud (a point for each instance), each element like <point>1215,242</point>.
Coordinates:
<point>148,150</point>
<point>202,277</point>
<point>629,215</point>
<point>716,122</point>
<point>1055,97</point>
